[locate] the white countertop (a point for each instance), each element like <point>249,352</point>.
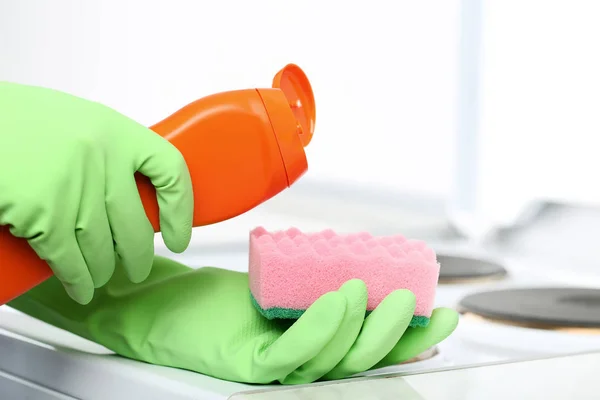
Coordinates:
<point>561,378</point>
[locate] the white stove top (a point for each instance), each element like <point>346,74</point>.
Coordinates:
<point>56,360</point>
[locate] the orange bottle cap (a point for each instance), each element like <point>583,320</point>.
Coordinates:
<point>294,84</point>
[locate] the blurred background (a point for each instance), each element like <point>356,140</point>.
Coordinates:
<point>463,110</point>
<point>472,124</point>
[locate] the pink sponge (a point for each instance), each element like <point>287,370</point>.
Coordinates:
<point>290,270</point>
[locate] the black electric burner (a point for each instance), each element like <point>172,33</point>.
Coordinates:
<point>545,308</point>
<point>460,269</point>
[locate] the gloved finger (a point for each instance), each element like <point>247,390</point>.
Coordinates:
<point>355,292</point>
<point>304,340</point>
<point>61,252</point>
<point>380,332</point>
<point>93,232</point>
<point>164,165</point>
<point>417,340</point>
<point>132,232</point>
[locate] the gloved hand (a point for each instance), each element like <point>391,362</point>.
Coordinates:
<point>67,186</point>
<point>203,320</point>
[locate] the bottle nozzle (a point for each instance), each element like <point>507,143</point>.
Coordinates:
<point>294,84</point>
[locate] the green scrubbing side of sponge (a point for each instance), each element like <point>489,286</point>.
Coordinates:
<point>288,313</point>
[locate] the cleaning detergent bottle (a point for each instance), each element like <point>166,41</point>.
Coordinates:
<point>241,148</point>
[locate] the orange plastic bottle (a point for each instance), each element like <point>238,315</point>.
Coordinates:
<point>241,147</point>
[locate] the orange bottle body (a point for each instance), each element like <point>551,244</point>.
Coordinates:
<point>241,148</point>
<point>231,151</point>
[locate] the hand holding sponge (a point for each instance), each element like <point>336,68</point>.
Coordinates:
<point>203,320</point>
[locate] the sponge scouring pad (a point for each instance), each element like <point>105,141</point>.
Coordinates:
<point>289,270</point>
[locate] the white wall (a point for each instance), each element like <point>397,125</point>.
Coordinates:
<point>540,121</point>
<point>384,72</point>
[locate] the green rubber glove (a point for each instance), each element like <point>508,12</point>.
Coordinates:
<point>67,185</point>
<point>203,320</point>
